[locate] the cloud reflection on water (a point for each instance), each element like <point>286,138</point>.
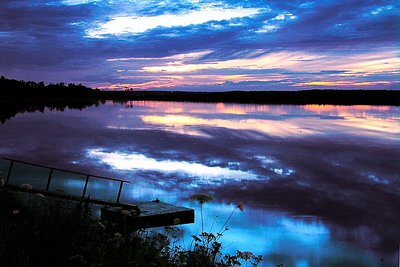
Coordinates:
<point>279,121</point>
<point>283,128</point>
<point>139,162</point>
<point>270,127</point>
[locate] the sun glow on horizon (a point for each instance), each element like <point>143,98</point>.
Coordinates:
<point>200,68</point>
<point>341,83</point>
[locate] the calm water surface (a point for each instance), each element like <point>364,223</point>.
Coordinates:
<point>320,184</point>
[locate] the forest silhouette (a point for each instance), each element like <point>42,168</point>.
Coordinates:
<point>28,96</point>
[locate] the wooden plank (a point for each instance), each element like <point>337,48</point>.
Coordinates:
<point>152,214</point>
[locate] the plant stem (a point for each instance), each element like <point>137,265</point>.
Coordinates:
<point>227,220</point>
<point>212,225</point>
<point>201,212</point>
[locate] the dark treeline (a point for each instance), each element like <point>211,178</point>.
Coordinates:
<point>22,90</point>
<point>21,96</point>
<point>26,91</point>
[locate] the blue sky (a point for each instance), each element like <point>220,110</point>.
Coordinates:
<point>202,45</point>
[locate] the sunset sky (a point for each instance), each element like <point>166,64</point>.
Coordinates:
<point>200,45</point>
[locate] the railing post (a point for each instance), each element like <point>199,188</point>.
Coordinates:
<point>9,172</point>
<point>84,189</point>
<point>49,179</point>
<point>120,190</point>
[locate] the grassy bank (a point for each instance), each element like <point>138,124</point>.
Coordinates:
<point>37,231</point>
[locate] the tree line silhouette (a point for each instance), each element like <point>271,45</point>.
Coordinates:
<point>28,96</point>
<point>11,89</point>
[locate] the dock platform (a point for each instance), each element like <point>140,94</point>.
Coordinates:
<point>136,215</point>
<point>152,214</point>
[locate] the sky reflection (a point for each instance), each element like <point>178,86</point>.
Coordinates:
<point>320,183</point>
<point>139,162</point>
<point>342,121</point>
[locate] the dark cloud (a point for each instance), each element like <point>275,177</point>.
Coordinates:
<point>341,23</point>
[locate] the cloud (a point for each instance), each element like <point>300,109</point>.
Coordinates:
<point>259,69</point>
<point>121,25</point>
<point>78,2</point>
<point>284,60</point>
<point>380,60</point>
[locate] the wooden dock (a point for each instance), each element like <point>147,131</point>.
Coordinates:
<point>136,215</point>
<point>152,214</point>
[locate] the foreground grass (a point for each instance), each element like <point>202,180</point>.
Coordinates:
<point>36,231</point>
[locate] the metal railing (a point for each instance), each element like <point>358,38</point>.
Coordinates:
<point>52,169</point>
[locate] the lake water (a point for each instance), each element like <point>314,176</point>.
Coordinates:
<point>320,184</point>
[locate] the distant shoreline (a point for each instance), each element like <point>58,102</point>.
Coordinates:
<point>28,92</point>
<point>318,97</point>
<point>321,97</point>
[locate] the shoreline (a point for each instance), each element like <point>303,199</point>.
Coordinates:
<point>320,97</point>
<point>25,93</point>
<point>10,105</point>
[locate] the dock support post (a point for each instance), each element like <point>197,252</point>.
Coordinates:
<point>120,190</point>
<point>9,172</point>
<point>49,179</point>
<point>85,188</point>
